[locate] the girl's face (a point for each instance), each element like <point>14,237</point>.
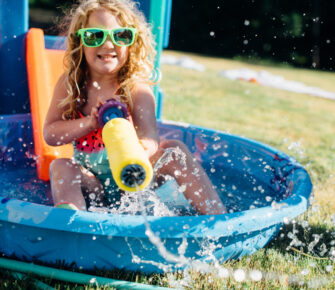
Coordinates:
<point>108,58</point>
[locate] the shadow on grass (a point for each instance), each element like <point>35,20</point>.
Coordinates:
<point>315,241</point>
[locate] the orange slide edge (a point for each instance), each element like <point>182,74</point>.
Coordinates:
<point>44,67</point>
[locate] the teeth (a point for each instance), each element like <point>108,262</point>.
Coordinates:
<point>106,57</point>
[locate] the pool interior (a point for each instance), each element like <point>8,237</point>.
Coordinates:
<point>238,190</point>
<point>246,175</point>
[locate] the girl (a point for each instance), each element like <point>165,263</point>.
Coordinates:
<point>110,56</point>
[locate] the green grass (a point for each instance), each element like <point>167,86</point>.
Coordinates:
<point>275,117</point>
<point>278,118</point>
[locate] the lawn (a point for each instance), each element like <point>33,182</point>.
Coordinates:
<point>302,126</point>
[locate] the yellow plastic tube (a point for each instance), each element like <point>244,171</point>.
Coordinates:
<point>130,165</point>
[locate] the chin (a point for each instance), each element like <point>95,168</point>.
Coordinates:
<point>108,69</point>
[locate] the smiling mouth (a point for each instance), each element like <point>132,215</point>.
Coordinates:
<point>106,57</point>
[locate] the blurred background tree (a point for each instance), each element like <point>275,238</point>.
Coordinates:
<point>300,33</point>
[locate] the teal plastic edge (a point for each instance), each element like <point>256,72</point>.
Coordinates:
<point>157,20</point>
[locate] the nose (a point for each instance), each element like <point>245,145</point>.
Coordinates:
<point>109,43</point>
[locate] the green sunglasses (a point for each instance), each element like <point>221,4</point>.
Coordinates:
<point>94,37</point>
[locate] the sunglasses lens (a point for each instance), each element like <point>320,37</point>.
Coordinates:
<point>123,36</point>
<point>93,37</point>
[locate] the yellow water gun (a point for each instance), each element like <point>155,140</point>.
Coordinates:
<point>129,163</point>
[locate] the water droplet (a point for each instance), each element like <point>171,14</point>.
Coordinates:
<point>93,281</point>
<point>91,196</point>
<point>96,85</point>
<point>305,272</point>
<point>239,275</point>
<point>332,219</point>
<point>136,259</point>
<point>255,275</point>
<point>223,273</point>
<point>107,182</point>
<point>182,188</point>
<point>304,224</point>
<point>177,173</point>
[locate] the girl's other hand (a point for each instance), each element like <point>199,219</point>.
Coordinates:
<point>93,117</point>
<point>149,146</point>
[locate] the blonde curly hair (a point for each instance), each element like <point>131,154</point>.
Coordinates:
<point>138,67</point>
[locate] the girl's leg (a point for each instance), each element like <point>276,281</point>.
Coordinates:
<point>199,189</point>
<point>92,188</point>
<point>67,180</point>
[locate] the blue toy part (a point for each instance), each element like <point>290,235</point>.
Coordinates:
<point>13,77</point>
<point>110,110</point>
<point>260,186</point>
<point>111,113</point>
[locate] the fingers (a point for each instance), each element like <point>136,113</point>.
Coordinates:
<point>100,102</point>
<point>143,143</point>
<point>149,146</point>
<point>94,111</point>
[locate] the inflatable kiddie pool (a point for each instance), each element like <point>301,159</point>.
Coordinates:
<point>260,186</point>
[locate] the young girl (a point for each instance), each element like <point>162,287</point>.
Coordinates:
<point>110,56</point>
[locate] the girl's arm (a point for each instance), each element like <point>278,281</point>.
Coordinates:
<point>57,131</point>
<point>144,118</point>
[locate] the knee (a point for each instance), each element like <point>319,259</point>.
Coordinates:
<point>173,144</point>
<point>63,167</point>
<point>179,155</point>
<point>179,147</point>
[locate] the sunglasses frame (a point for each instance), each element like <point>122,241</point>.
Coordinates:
<point>106,32</point>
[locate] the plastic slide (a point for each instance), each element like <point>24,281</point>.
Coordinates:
<point>44,67</point>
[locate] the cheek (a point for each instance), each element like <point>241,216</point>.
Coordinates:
<point>123,54</point>
<point>89,53</point>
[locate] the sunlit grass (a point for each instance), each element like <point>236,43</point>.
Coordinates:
<point>269,115</point>
<point>300,125</point>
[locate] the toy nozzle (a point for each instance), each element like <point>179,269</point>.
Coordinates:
<point>133,175</point>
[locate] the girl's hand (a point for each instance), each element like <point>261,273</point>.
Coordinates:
<point>93,117</point>
<point>149,146</point>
